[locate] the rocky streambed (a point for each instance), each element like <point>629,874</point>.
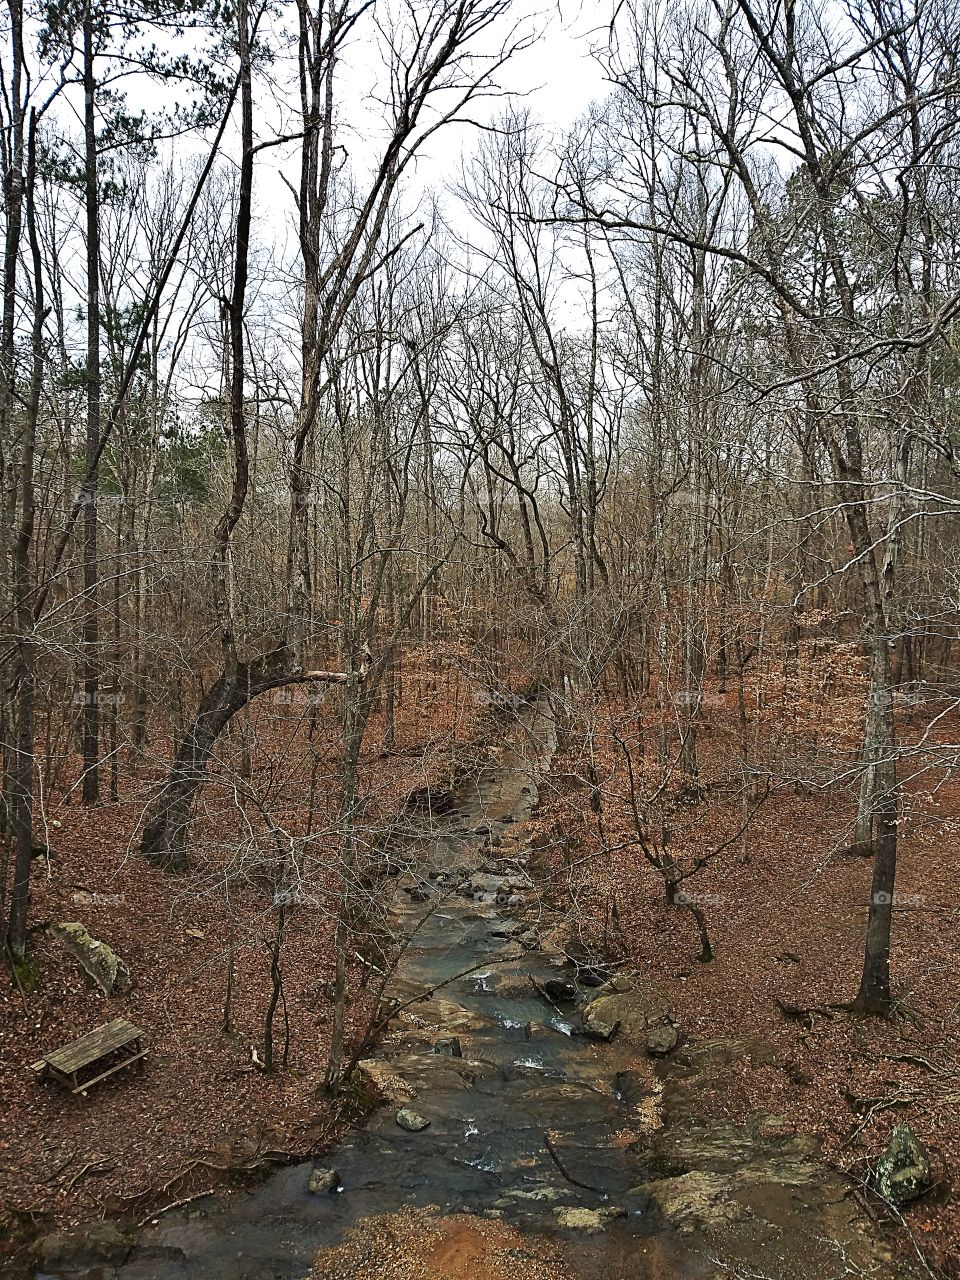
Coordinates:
<point>535,1123</point>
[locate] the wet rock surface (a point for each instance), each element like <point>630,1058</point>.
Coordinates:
<point>561,1113</point>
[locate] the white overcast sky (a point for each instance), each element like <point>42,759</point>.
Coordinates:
<point>556,78</point>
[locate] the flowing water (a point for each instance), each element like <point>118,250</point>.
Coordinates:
<point>537,1128</point>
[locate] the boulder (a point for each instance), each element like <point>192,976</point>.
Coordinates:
<point>903,1171</point>
<point>412,1121</point>
<point>597,1029</point>
<point>323,1181</point>
<point>89,1246</point>
<point>98,960</point>
<point>662,1039</point>
<point>770,1126</point>
<point>636,1012</point>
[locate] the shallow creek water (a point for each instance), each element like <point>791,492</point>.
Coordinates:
<point>589,1145</point>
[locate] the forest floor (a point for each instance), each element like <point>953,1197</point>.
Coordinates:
<point>203,1110</point>
<point>784,905</point>
<point>785,908</point>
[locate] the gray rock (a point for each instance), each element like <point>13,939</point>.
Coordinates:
<point>96,959</point>
<point>536,1195</point>
<point>588,1221</point>
<point>903,1171</point>
<point>636,1012</point>
<point>662,1040</point>
<point>505,931</point>
<point>98,1242</point>
<point>449,1047</point>
<point>412,1121</point>
<point>598,1030</point>
<point>323,1181</point>
<point>538,1031</point>
<point>764,1125</point>
<point>518,884</point>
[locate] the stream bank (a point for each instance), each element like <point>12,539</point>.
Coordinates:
<point>546,1126</point>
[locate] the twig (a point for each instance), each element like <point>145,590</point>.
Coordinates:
<point>60,1167</point>
<point>863,1200</point>
<point>916,1060</point>
<point>538,987</point>
<point>805,1013</point>
<point>175,1204</point>
<point>874,1105</point>
<point>92,1167</point>
<point>563,1169</point>
<point>266,1157</point>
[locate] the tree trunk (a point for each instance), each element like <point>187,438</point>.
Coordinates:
<point>880,743</point>
<point>880,755</point>
<point>165,831</point>
<point>90,710</point>
<point>21,773</point>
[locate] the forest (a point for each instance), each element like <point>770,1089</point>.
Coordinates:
<point>402,401</point>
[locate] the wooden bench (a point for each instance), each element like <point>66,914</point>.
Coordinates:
<point>119,1039</point>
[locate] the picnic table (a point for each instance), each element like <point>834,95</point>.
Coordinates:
<point>110,1048</point>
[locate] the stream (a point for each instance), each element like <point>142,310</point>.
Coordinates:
<point>596,1149</point>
